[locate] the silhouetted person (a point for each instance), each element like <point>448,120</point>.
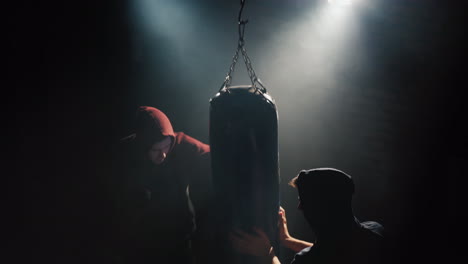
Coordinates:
<point>165,177</point>
<point>325,197</point>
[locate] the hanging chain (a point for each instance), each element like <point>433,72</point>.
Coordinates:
<point>248,64</point>
<point>227,81</point>
<point>241,47</point>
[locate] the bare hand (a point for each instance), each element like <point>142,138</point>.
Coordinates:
<point>282,225</point>
<point>256,245</point>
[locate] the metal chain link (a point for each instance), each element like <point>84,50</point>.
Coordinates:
<point>228,78</point>
<point>250,70</point>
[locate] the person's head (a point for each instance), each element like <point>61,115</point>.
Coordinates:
<point>154,134</point>
<point>325,195</point>
<point>158,152</point>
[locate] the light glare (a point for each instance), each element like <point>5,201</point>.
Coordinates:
<point>340,2</point>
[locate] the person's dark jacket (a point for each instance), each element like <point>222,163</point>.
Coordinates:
<point>364,244</point>
<point>157,201</point>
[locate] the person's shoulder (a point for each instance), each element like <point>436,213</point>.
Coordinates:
<point>305,251</point>
<point>303,256</point>
<point>373,227</point>
<point>375,243</point>
<point>192,144</point>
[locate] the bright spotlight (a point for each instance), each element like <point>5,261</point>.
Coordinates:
<point>340,2</point>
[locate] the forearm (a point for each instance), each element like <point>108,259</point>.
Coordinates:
<point>296,245</point>
<point>271,258</point>
<point>275,260</point>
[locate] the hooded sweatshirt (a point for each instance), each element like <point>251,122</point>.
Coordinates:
<point>157,212</point>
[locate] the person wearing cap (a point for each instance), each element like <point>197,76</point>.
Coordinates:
<point>325,197</point>
<point>165,180</point>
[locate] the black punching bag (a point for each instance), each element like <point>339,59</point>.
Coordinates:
<point>244,153</point>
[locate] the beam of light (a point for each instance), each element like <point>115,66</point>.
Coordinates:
<point>175,38</point>
<point>181,55</point>
<point>340,2</point>
<point>302,66</point>
<point>186,35</point>
<point>311,50</point>
<point>170,21</point>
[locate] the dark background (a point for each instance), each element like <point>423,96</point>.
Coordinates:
<point>79,70</point>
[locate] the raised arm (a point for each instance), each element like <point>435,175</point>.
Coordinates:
<point>286,239</point>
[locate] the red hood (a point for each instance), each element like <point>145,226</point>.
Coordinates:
<point>151,126</point>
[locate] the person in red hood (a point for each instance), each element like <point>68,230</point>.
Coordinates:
<point>166,179</point>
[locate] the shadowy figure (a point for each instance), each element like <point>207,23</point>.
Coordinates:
<point>164,180</point>
<point>325,197</point>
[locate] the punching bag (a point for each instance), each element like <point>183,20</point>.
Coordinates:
<point>244,160</point>
<point>244,152</point>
